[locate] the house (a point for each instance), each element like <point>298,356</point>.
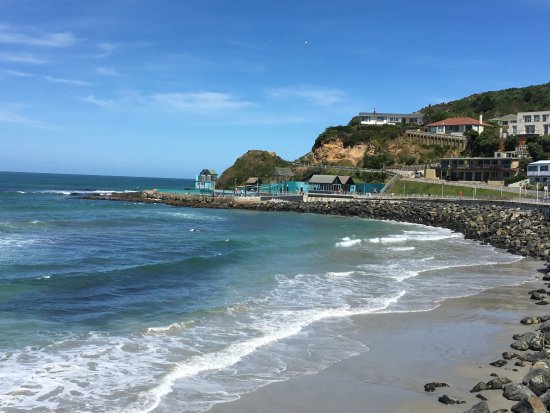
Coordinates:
<point>532,123</point>
<point>347,183</point>
<point>324,183</point>
<point>282,174</point>
<point>507,121</point>
<point>374,118</point>
<point>539,172</point>
<point>478,169</point>
<point>253,183</point>
<point>206,180</point>
<point>456,126</point>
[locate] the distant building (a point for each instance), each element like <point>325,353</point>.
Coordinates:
<point>206,180</point>
<point>347,183</point>
<point>280,174</point>
<point>532,123</point>
<point>253,183</point>
<point>478,169</point>
<point>324,183</point>
<point>456,126</point>
<point>539,172</point>
<point>374,118</point>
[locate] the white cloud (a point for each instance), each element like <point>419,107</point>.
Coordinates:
<point>317,96</point>
<point>15,73</point>
<point>107,71</point>
<point>12,117</point>
<point>199,101</point>
<point>21,58</point>
<point>62,39</point>
<point>106,49</point>
<point>73,82</point>
<point>102,103</point>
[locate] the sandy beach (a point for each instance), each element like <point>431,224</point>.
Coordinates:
<point>453,343</point>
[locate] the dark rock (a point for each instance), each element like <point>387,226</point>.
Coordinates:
<point>530,320</point>
<point>499,363</point>
<point>430,387</point>
<point>537,296</point>
<point>481,397</point>
<point>530,405</point>
<point>507,355</point>
<point>498,383</point>
<point>519,363</point>
<point>448,400</point>
<point>480,387</point>
<point>542,302</point>
<point>520,345</point>
<point>481,407</point>
<point>517,392</point>
<point>538,378</point>
<point>501,411</point>
<point>545,326</point>
<point>545,398</point>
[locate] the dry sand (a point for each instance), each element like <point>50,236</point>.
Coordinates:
<point>453,343</point>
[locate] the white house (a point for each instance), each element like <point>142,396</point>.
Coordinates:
<point>456,126</point>
<point>539,172</point>
<point>374,118</point>
<point>532,123</point>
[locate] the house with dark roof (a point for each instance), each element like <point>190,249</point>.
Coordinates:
<point>282,174</point>
<point>206,180</point>
<point>347,182</point>
<point>456,126</point>
<point>324,183</point>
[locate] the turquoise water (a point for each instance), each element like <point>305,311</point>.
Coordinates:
<point>128,307</point>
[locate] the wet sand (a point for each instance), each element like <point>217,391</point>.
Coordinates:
<point>453,344</point>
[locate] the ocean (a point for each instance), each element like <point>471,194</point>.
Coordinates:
<point>129,307</point>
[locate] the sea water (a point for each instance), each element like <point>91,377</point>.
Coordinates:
<point>129,307</point>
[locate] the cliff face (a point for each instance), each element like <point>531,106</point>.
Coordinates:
<point>333,152</point>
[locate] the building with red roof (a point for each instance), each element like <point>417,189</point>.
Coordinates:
<point>456,126</point>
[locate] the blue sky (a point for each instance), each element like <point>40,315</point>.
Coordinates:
<point>168,87</point>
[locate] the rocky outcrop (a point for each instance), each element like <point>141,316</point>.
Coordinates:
<point>334,152</point>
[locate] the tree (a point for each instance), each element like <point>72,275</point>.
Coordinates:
<point>486,143</point>
<point>510,143</point>
<point>535,151</point>
<point>379,161</point>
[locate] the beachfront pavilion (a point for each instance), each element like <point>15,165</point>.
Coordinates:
<point>347,182</point>
<point>325,183</point>
<point>282,174</point>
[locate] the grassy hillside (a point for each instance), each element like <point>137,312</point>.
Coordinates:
<point>492,104</point>
<point>253,163</point>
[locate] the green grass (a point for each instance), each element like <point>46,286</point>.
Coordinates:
<point>424,188</point>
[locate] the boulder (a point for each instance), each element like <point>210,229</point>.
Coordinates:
<point>538,378</point>
<point>449,400</point>
<point>480,387</point>
<point>498,383</point>
<point>530,405</point>
<point>481,407</point>
<point>517,392</point>
<point>499,363</point>
<point>430,387</point>
<point>520,345</point>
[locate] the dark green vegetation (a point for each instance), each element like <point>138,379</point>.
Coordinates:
<point>253,163</point>
<point>492,104</point>
<point>355,133</point>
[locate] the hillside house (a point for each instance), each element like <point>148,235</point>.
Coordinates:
<point>206,180</point>
<point>280,174</point>
<point>478,169</point>
<point>539,172</point>
<point>374,118</point>
<point>456,126</point>
<point>533,123</point>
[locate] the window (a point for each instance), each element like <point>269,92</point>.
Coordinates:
<point>545,118</point>
<point>532,168</point>
<point>544,168</point>
<point>536,118</point>
<point>514,129</point>
<point>527,118</point>
<point>530,129</point>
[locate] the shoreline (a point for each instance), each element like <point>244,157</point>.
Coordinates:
<point>395,384</point>
<point>453,343</point>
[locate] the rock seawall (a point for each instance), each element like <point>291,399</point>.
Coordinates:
<point>522,232</point>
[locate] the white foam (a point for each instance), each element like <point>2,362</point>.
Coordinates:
<point>340,274</point>
<point>401,248</point>
<point>347,242</point>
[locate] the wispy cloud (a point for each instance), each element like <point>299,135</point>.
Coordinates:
<point>15,118</point>
<point>202,101</point>
<point>107,71</point>
<point>101,103</point>
<point>73,82</point>
<point>106,49</point>
<point>15,73</point>
<point>62,39</point>
<point>315,95</point>
<point>22,58</point>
